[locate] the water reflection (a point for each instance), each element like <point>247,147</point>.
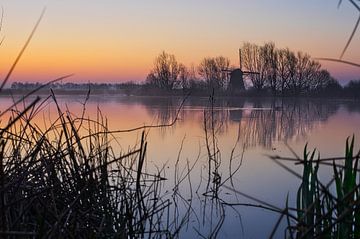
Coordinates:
<point>352,106</point>
<point>254,122</point>
<point>282,121</point>
<point>164,111</point>
<point>260,122</point>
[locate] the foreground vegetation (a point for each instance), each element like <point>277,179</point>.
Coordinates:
<point>326,210</point>
<point>68,181</point>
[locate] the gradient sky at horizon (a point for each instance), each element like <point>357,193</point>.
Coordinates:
<point>115,41</point>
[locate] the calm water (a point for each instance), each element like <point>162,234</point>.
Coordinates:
<point>246,132</point>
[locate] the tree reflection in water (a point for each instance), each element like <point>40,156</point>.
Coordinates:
<point>262,122</point>
<point>281,120</point>
<point>164,111</point>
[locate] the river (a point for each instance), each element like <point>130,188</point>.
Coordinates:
<point>220,149</point>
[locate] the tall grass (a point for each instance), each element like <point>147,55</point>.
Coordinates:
<point>68,181</point>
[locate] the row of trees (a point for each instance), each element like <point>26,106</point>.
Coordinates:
<point>284,71</point>
<point>65,86</point>
<point>70,86</point>
<point>167,73</point>
<point>280,71</point>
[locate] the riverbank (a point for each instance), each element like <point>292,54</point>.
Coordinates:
<point>153,92</point>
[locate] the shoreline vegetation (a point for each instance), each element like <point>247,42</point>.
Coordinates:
<point>349,91</point>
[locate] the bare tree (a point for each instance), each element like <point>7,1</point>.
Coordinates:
<point>269,56</point>
<point>253,61</point>
<point>184,77</point>
<point>212,71</point>
<point>283,68</point>
<point>207,70</point>
<point>222,64</point>
<point>165,71</point>
<point>304,76</point>
<point>321,80</point>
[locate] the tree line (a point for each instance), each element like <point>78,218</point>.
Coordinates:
<point>167,73</point>
<point>283,71</point>
<point>280,71</point>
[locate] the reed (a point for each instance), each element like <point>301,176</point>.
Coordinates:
<point>330,210</point>
<point>67,180</point>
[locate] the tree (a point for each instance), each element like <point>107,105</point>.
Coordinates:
<point>184,77</point>
<point>352,89</point>
<point>325,84</point>
<point>152,80</point>
<point>306,73</point>
<point>207,70</point>
<point>269,57</point>
<point>211,69</point>
<point>187,76</point>
<point>252,59</point>
<point>284,56</point>
<point>223,64</point>
<point>321,80</point>
<point>165,72</point>
<point>303,72</point>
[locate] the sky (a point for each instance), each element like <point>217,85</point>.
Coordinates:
<point>118,40</point>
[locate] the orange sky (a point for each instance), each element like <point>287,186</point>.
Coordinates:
<point>112,41</point>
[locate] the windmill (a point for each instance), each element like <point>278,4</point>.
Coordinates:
<point>237,76</point>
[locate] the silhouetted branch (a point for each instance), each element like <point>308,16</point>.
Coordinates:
<point>355,5</point>
<point>350,38</point>
<point>338,60</point>
<point>355,27</point>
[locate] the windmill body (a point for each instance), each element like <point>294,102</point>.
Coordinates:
<point>236,80</point>
<point>236,83</point>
